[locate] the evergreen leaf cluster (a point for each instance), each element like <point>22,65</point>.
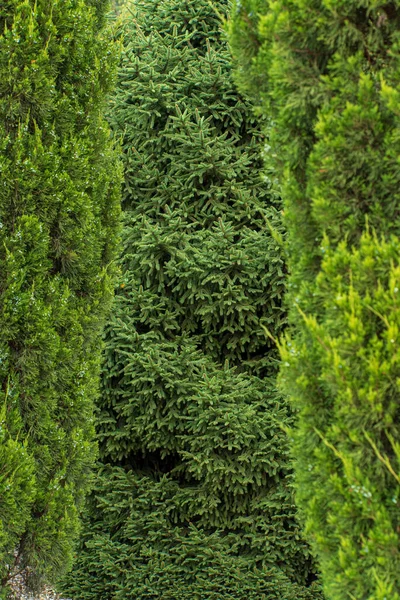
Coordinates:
<point>193,497</point>
<point>59,215</point>
<point>327,74</point>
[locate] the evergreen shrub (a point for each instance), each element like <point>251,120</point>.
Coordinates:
<point>58,225</point>
<point>194,495</point>
<point>328,74</point>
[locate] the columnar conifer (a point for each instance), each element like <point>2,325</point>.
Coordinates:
<point>328,73</point>
<point>58,224</point>
<point>194,496</point>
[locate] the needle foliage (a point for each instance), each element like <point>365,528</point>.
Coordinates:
<point>194,497</point>
<point>328,74</point>
<point>58,226</point>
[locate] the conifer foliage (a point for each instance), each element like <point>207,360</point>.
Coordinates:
<point>328,73</point>
<point>117,6</point>
<point>58,225</point>
<point>194,496</point>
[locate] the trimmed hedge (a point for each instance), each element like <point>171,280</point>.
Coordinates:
<point>59,213</point>
<point>194,497</point>
<point>328,73</point>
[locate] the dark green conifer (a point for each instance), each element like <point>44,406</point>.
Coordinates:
<point>194,496</point>
<point>328,74</point>
<point>58,226</point>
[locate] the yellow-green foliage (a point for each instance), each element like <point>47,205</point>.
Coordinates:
<point>194,499</point>
<point>58,224</point>
<point>344,374</point>
<point>328,72</point>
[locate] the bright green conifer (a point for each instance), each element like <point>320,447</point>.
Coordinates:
<point>328,73</point>
<point>194,497</point>
<point>58,224</point>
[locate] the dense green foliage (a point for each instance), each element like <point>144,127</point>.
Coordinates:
<point>117,6</point>
<point>328,74</point>
<point>194,498</point>
<point>58,227</point>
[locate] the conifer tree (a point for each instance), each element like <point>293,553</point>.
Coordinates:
<point>58,226</point>
<point>193,499</point>
<point>328,74</point>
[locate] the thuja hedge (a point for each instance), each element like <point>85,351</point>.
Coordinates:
<point>58,226</point>
<point>194,496</point>
<point>328,74</point>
